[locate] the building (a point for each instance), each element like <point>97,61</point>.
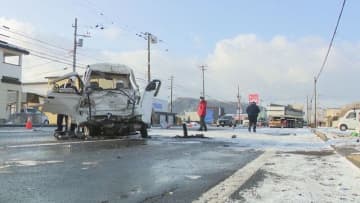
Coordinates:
<point>332,115</point>
<point>161,116</point>
<point>10,79</point>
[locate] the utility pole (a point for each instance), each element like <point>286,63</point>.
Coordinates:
<point>239,103</point>
<point>171,93</point>
<point>315,107</point>
<point>75,45</point>
<point>148,39</point>
<point>151,39</point>
<point>202,67</point>
<point>307,109</point>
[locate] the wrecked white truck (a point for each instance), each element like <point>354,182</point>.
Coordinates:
<point>105,103</point>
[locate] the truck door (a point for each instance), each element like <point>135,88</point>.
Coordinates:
<point>64,97</point>
<point>351,120</point>
<point>151,91</point>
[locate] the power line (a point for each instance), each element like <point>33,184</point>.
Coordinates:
<point>5,28</point>
<point>47,56</point>
<point>325,60</point>
<point>42,43</point>
<point>331,41</point>
<point>38,65</point>
<point>31,42</point>
<point>54,60</point>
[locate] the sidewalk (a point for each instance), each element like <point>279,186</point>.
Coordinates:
<point>342,142</point>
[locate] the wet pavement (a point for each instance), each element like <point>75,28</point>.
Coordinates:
<point>34,167</point>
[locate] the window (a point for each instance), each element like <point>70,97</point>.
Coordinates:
<point>11,58</point>
<point>106,81</point>
<point>351,115</point>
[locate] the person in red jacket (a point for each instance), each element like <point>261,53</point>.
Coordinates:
<point>202,113</point>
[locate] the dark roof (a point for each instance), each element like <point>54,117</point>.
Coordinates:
<point>12,47</point>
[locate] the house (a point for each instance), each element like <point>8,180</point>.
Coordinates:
<point>332,115</point>
<point>10,79</point>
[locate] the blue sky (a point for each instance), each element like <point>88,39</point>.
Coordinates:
<point>197,32</point>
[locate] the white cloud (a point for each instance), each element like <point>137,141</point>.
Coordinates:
<point>279,69</point>
<point>17,25</point>
<point>24,35</point>
<point>186,71</point>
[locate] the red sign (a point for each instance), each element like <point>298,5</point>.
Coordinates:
<point>254,98</point>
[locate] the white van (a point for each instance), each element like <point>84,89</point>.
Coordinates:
<point>351,120</point>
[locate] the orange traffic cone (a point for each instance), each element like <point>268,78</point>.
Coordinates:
<point>28,124</point>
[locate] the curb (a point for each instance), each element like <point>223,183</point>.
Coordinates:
<point>320,135</point>
<point>354,158</point>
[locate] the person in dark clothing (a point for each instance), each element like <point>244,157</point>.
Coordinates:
<point>202,113</point>
<point>253,111</point>
<point>60,117</point>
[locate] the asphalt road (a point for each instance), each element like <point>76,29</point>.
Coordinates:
<point>34,167</point>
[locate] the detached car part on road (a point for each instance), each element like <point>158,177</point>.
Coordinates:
<point>107,102</point>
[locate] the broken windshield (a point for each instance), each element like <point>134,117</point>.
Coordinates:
<point>109,81</point>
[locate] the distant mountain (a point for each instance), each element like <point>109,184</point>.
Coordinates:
<point>183,104</point>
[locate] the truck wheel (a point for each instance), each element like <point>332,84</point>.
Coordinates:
<point>143,131</point>
<point>343,127</point>
<point>88,131</point>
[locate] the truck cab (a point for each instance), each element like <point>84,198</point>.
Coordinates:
<point>351,120</point>
<point>105,102</point>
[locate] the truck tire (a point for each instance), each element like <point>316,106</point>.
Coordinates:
<point>89,131</point>
<point>343,127</point>
<point>143,131</point>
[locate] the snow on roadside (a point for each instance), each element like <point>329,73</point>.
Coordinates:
<point>302,177</point>
<point>265,138</point>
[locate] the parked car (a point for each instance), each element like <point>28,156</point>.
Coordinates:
<point>36,116</point>
<point>226,121</point>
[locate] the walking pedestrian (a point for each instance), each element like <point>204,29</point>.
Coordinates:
<point>253,111</point>
<point>202,113</point>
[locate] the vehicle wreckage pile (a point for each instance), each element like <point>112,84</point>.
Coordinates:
<point>106,102</point>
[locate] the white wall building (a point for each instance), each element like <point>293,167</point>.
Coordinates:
<point>10,78</point>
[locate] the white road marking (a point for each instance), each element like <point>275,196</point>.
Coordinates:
<point>193,177</point>
<point>222,191</point>
<point>62,143</point>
